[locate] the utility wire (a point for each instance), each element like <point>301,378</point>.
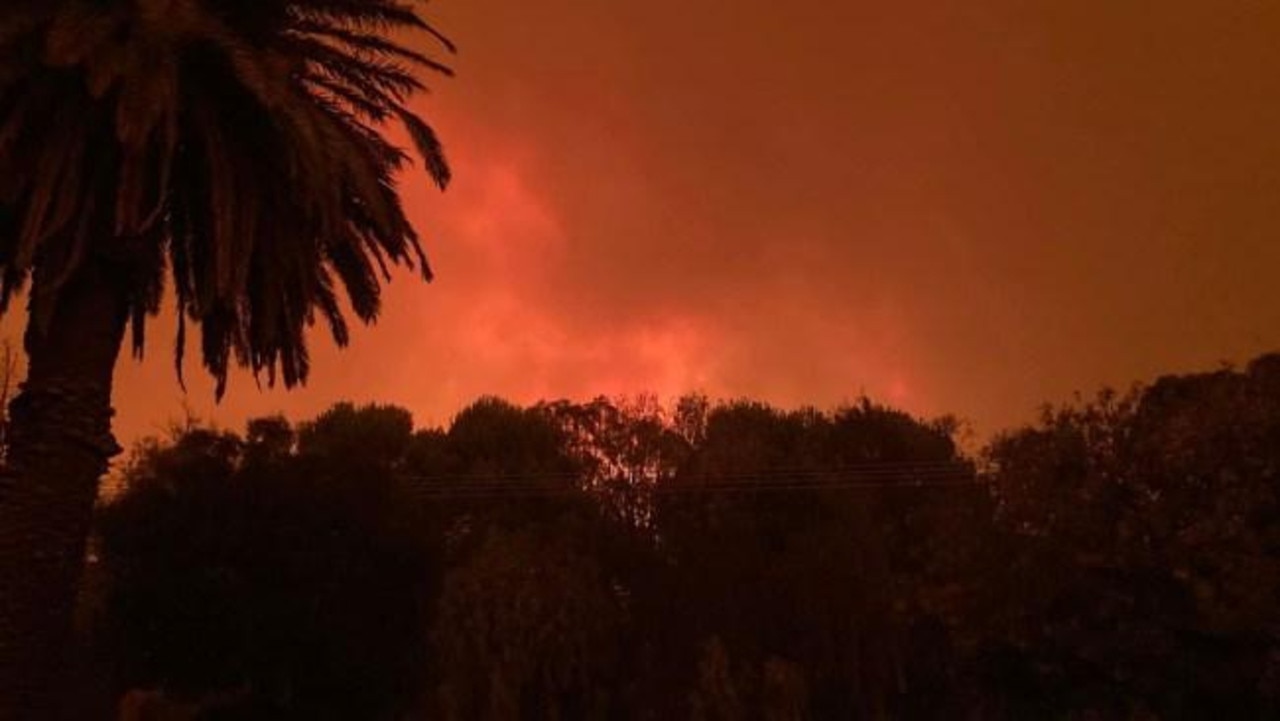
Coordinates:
<point>683,485</point>
<point>880,468</point>
<point>904,476</point>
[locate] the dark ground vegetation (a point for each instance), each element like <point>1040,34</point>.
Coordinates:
<point>1119,559</point>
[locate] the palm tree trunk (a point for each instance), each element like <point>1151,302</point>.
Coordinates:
<point>59,446</point>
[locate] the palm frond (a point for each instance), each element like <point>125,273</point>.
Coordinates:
<point>233,146</point>
<point>371,44</point>
<point>429,147</point>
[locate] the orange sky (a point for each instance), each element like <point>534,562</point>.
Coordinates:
<point>967,207</point>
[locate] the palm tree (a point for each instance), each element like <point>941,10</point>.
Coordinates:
<point>235,147</point>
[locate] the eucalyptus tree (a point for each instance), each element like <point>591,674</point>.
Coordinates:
<point>232,150</point>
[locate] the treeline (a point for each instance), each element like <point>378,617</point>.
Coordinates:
<point>1119,559</point>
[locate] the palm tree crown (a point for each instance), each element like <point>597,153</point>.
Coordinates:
<point>237,144</point>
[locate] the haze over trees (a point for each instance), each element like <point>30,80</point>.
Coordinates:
<point>231,151</point>
<point>1118,559</point>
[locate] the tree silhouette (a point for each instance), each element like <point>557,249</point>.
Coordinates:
<point>233,147</point>
<point>264,582</point>
<point>1116,560</point>
<point>528,627</point>
<point>1140,566</point>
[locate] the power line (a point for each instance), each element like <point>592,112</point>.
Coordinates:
<point>690,485</point>
<point>903,477</point>
<point>873,468</point>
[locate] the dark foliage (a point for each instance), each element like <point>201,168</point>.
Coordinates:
<point>276,579</point>
<point>237,147</point>
<point>1120,559</point>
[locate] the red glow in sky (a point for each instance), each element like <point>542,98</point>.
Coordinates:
<point>966,207</point>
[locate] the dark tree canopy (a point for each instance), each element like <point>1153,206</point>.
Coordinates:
<point>287,588</point>
<point>234,146</point>
<point>1117,560</point>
